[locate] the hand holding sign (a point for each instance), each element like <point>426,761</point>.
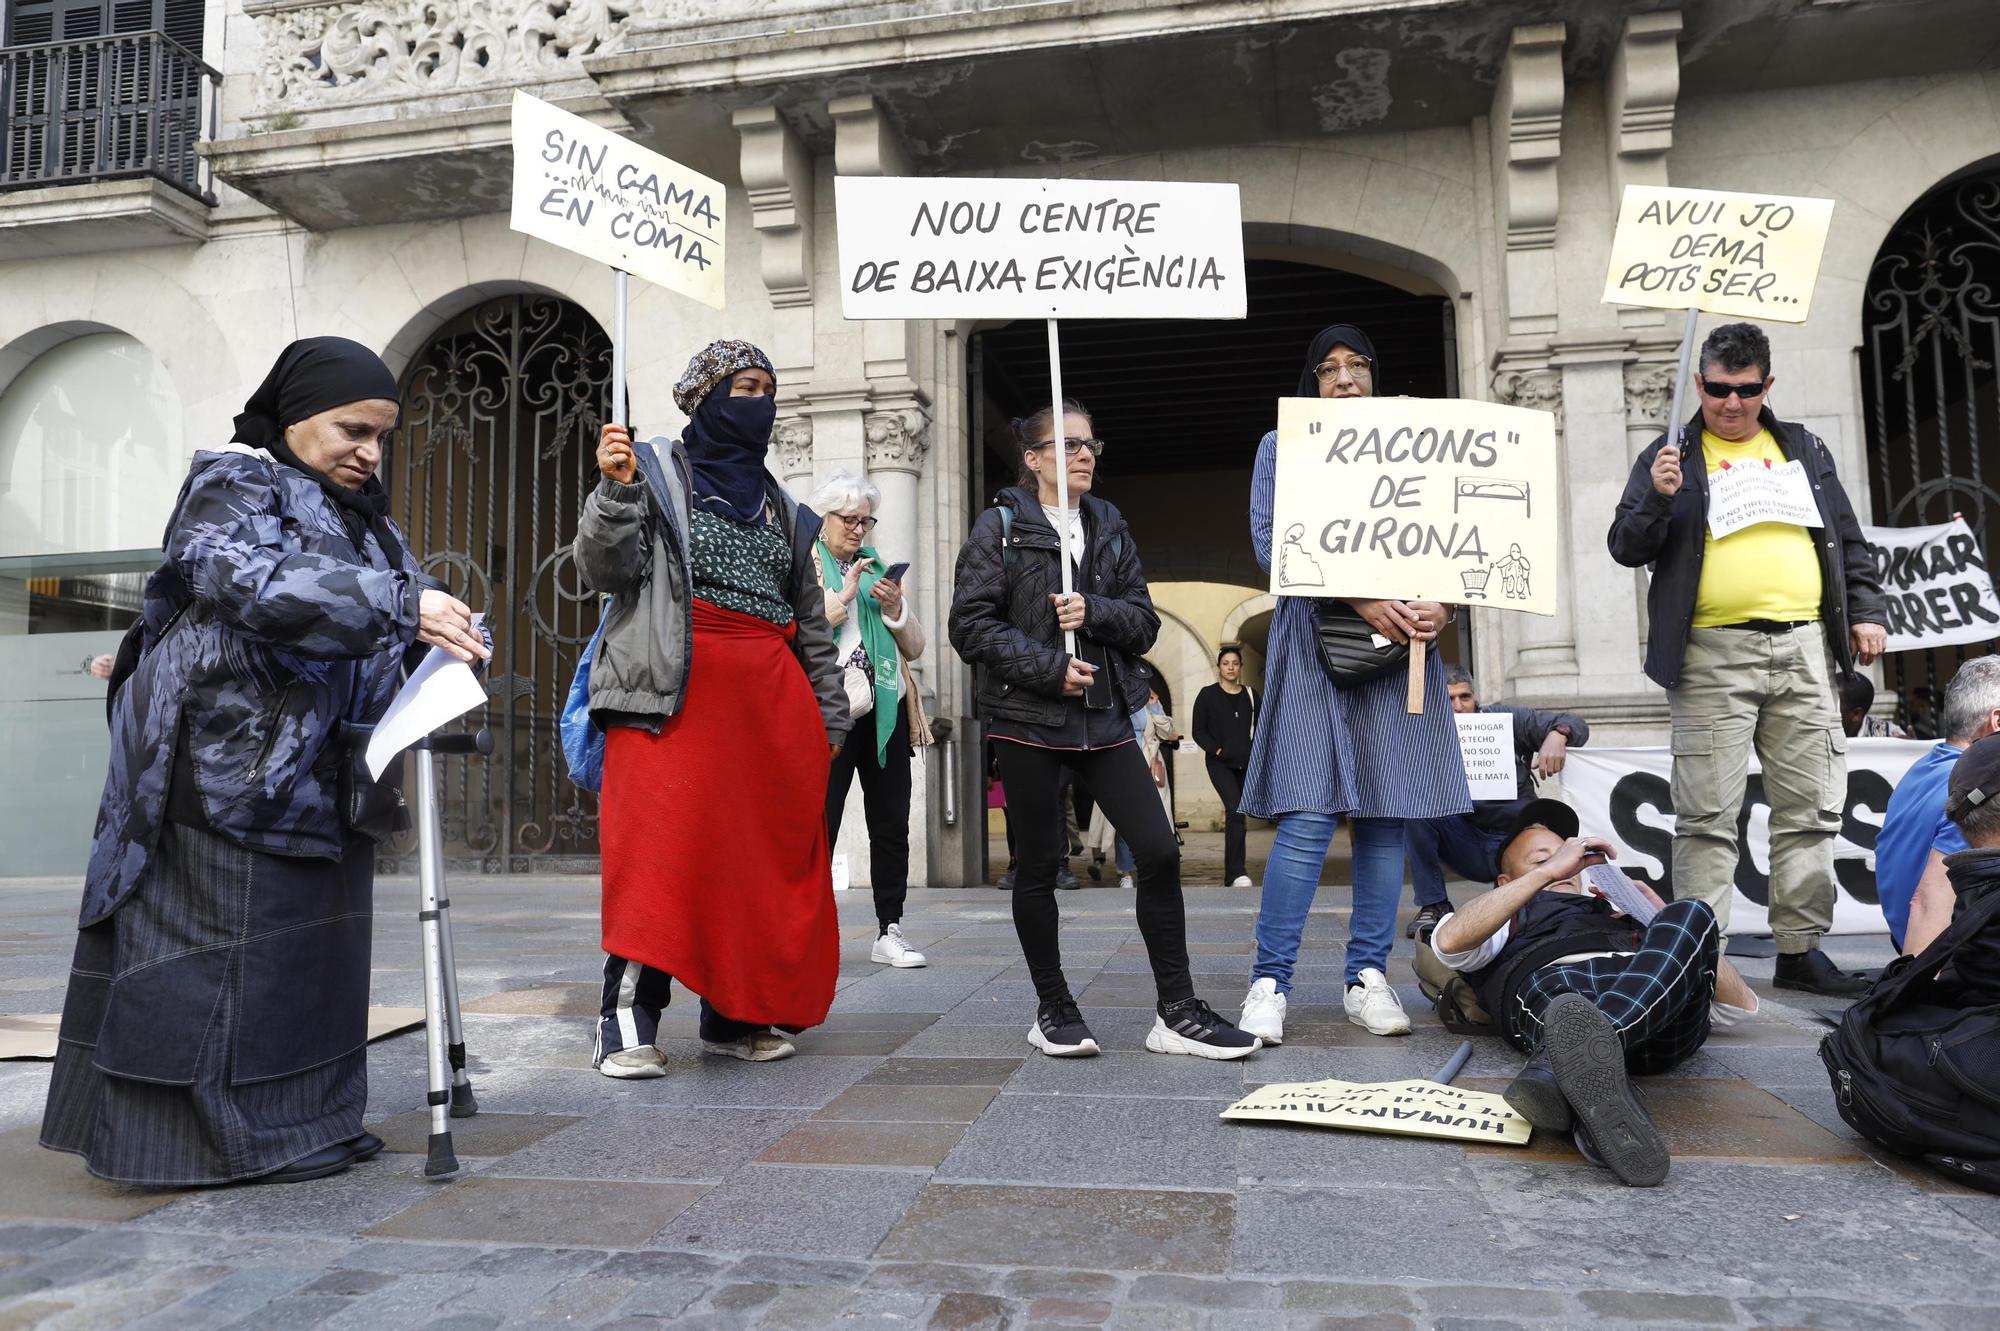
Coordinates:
<point>1667,471</point>
<point>614,454</point>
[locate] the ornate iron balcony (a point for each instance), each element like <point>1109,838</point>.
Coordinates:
<point>137,104</point>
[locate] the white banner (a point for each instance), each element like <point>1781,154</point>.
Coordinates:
<point>1938,589</point>
<point>1755,256</point>
<point>1745,495</point>
<point>601,195</point>
<point>1624,796</point>
<point>955,247</point>
<point>1486,741</point>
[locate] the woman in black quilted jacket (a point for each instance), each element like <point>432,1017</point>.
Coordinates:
<point>1047,710</point>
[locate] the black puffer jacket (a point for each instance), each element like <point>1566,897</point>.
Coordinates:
<point>1003,623</point>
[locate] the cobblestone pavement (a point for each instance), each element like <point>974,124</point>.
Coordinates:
<point>918,1166</point>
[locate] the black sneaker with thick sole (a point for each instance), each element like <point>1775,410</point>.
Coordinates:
<point>1193,1027</point>
<point>1589,1062</point>
<point>1059,1031</point>
<point>1427,918</point>
<point>1814,972</point>
<point>1534,1095</point>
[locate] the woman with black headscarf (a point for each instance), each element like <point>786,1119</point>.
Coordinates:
<point>216,1024</point>
<point>720,694</point>
<point>1322,751</point>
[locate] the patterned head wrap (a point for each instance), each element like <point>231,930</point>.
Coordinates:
<point>713,364</point>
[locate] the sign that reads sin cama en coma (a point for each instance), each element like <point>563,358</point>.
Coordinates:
<point>600,195</point>
<point>1751,256</point>
<point>1406,1108</point>
<point>933,247</point>
<point>1419,499</point>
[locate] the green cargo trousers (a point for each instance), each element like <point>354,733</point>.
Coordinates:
<point>1741,687</point>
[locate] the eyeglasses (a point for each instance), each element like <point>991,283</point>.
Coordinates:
<point>1748,392</point>
<point>1360,367</point>
<point>1071,447</point>
<point>862,525</point>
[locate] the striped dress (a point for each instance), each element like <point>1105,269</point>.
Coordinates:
<point>1321,749</point>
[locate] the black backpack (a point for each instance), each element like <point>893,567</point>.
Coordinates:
<point>1915,1063</point>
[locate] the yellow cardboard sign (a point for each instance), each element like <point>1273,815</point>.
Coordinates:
<point>1407,1108</point>
<point>1754,256</point>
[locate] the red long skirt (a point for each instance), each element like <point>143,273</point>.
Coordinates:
<point>716,864</point>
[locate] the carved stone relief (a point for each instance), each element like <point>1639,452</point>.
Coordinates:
<point>1539,389</point>
<point>897,440</point>
<point>793,438</point>
<point>1649,391</point>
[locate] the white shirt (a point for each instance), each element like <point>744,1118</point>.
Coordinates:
<point>1054,515</point>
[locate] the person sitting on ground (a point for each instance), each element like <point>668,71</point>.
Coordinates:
<point>1470,842</point>
<point>1857,695</point>
<point>1587,992</point>
<point>1917,835</point>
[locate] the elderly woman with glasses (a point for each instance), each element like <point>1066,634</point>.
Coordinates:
<point>876,636</point>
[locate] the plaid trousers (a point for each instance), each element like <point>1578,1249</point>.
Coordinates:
<point>1657,998</point>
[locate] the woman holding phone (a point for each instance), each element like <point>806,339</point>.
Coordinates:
<point>876,637</point>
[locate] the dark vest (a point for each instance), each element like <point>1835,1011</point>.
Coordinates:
<point>1551,925</point>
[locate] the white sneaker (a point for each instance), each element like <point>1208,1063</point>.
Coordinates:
<point>1125,881</point>
<point>634,1064</point>
<point>1373,1005</point>
<point>1264,1011</point>
<point>1242,880</point>
<point>762,1047</point>
<point>891,950</point>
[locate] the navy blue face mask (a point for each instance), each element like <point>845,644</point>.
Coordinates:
<point>726,442</point>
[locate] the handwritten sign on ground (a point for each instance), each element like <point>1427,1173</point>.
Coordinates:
<point>1486,739</point>
<point>1423,499</point>
<point>589,190</point>
<point>1744,495</point>
<point>1408,1108</point>
<point>1755,256</point>
<point>1939,591</point>
<point>930,247</point>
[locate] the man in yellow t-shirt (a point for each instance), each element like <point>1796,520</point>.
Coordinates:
<point>1747,630</point>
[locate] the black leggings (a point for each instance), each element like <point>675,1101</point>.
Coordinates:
<point>885,802</point>
<point>1125,793</point>
<point>1228,783</point>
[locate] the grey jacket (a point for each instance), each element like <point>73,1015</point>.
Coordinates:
<point>634,548</point>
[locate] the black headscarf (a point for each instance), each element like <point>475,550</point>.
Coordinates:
<point>1335,335</point>
<point>312,375</point>
<point>726,440</point>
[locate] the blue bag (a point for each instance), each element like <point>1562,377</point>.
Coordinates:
<point>582,741</point>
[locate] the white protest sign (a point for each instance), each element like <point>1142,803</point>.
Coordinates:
<point>1407,1108</point>
<point>945,247</point>
<point>1626,797</point>
<point>1935,580</point>
<point>1486,741</point>
<point>1755,256</point>
<point>1417,498</point>
<point>1745,494</point>
<point>601,195</point>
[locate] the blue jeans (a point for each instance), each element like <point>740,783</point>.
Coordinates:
<point>1456,841</point>
<point>1292,877</point>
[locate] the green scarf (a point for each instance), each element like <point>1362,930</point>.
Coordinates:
<point>876,640</point>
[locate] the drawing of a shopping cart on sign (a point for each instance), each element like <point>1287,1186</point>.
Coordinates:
<point>1491,487</point>
<point>1475,580</point>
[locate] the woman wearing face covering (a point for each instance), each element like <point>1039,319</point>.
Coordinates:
<point>720,694</point>
<point>1322,751</point>
<point>216,1024</point>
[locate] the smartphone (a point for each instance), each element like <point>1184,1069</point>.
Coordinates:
<point>896,572</point>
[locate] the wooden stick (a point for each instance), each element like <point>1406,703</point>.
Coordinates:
<point>1418,650</point>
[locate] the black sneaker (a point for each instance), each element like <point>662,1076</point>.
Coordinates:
<point>1427,919</point>
<point>1534,1095</point>
<point>1059,1031</point>
<point>1589,1062</point>
<point>1193,1027</point>
<point>1814,972</point>
<point>1066,880</point>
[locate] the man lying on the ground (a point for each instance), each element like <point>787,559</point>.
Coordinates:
<point>1974,804</point>
<point>1587,992</point>
<point>1917,835</point>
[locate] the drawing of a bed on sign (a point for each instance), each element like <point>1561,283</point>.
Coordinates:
<point>1418,499</point>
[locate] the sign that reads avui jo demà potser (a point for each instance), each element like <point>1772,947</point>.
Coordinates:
<point>597,193</point>
<point>1436,499</point>
<point>932,247</point>
<point>1752,256</point>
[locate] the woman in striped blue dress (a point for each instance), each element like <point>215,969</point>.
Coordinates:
<point>1323,751</point>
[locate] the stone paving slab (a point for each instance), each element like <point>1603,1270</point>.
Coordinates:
<point>598,1213</point>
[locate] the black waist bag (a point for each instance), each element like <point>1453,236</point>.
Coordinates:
<point>1915,1063</point>
<point>1347,650</point>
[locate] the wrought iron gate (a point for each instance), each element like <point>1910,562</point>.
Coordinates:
<point>488,472</point>
<point>1932,341</point>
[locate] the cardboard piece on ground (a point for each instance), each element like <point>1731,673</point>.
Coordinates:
<point>1937,586</point>
<point>1436,499</point>
<point>1752,256</point>
<point>33,1035</point>
<point>1405,1108</point>
<point>598,194</point>
<point>1486,742</point>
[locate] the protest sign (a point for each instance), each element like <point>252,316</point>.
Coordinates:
<point>1407,1108</point>
<point>1742,496</point>
<point>1754,256</point>
<point>945,247</point>
<point>1416,498</point>
<point>1625,796</point>
<point>594,192</point>
<point>1486,742</point>
<point>1935,580</point>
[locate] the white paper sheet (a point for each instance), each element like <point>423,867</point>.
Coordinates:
<point>1486,742</point>
<point>441,689</point>
<point>1610,882</point>
<point>1743,495</point>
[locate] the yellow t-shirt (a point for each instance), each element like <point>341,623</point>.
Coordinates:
<point>1769,570</point>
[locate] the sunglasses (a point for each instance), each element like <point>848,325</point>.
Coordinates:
<point>1718,391</point>
<point>1071,447</point>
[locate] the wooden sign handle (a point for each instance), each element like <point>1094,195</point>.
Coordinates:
<point>1418,650</point>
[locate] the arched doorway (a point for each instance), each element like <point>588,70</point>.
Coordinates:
<point>1929,348</point>
<point>487,476</point>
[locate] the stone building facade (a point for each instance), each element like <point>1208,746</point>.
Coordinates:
<point>344,169</point>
